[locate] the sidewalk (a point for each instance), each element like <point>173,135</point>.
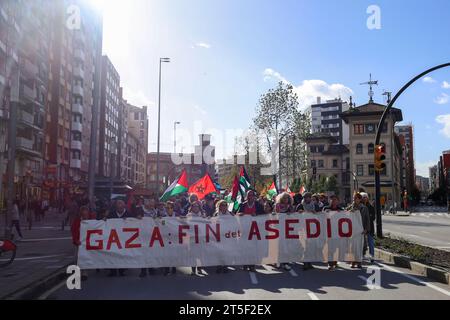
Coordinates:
<point>44,249</point>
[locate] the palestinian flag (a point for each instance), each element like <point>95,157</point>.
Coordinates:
<point>240,187</point>
<point>203,187</point>
<point>288,190</point>
<point>302,190</point>
<point>272,192</point>
<point>180,185</point>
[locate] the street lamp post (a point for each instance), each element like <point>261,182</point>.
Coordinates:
<point>377,142</point>
<point>175,136</point>
<point>161,60</point>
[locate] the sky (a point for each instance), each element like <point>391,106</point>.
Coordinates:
<point>225,54</point>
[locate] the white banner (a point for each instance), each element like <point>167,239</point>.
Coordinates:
<point>226,240</point>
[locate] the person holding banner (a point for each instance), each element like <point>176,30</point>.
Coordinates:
<point>268,207</point>
<point>84,214</point>
<point>148,210</point>
<point>222,210</point>
<point>120,212</point>
<point>284,205</point>
<point>195,211</point>
<point>253,208</point>
<point>250,206</point>
<point>307,204</point>
<point>358,206</point>
<point>333,206</point>
<point>170,213</point>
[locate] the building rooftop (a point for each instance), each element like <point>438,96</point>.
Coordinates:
<point>371,109</point>
<point>336,149</point>
<point>321,136</point>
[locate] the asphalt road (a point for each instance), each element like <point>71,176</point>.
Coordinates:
<point>427,228</point>
<point>265,283</point>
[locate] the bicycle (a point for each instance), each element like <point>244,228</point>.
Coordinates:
<point>7,252</point>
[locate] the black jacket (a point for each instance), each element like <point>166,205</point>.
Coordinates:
<point>372,216</point>
<point>113,215</point>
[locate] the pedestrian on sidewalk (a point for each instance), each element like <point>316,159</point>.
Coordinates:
<point>84,214</point>
<point>15,219</point>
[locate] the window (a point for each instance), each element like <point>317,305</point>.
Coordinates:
<point>335,163</point>
<point>371,170</point>
<point>370,148</point>
<point>320,163</point>
<point>359,170</point>
<point>370,128</point>
<point>358,129</point>
<point>313,163</point>
<point>359,148</point>
<point>136,116</point>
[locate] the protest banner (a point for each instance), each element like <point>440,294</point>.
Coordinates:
<point>225,240</point>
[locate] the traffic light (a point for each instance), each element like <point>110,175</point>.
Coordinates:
<point>379,158</point>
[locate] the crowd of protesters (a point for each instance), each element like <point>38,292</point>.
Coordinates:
<point>215,205</point>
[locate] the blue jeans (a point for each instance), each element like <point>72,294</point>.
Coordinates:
<point>371,244</point>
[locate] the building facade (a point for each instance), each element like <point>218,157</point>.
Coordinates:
<point>405,133</point>
<point>326,158</point>
<point>363,122</point>
<point>109,121</point>
<point>325,119</point>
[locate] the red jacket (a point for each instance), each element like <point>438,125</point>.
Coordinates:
<point>75,229</point>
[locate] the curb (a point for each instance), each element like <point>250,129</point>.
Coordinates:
<point>32,290</point>
<point>422,269</point>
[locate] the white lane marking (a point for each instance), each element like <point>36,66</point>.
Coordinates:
<point>45,295</point>
<point>45,239</point>
<point>368,285</point>
<point>253,278</point>
<point>429,285</point>
<point>36,258</point>
<point>293,273</point>
<point>312,296</point>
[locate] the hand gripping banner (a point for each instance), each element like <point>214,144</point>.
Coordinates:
<point>225,240</point>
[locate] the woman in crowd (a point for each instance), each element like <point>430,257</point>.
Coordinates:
<point>208,207</point>
<point>222,210</point>
<point>284,205</point>
<point>195,211</point>
<point>307,204</point>
<point>357,205</point>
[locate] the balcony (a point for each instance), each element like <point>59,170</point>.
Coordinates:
<point>29,93</point>
<point>78,73</point>
<point>77,108</point>
<point>76,145</point>
<point>78,90</point>
<point>75,163</point>
<point>30,68</point>
<point>78,54</point>
<point>26,117</point>
<point>24,143</point>
<point>77,126</point>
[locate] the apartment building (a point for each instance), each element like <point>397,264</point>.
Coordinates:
<point>363,122</point>
<point>109,121</point>
<point>325,119</point>
<point>24,86</point>
<point>74,56</point>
